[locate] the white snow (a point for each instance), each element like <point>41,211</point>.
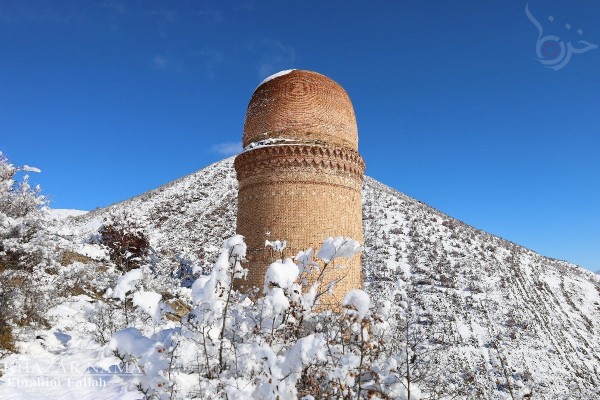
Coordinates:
<point>276,300</point>
<point>236,246</point>
<point>64,363</point>
<point>149,302</point>
<point>338,247</point>
<point>275,75</point>
<point>304,256</point>
<point>277,245</point>
<point>281,274</point>
<point>308,350</point>
<point>30,169</point>
<point>463,330</point>
<point>200,288</point>
<point>359,300</point>
<point>62,213</point>
<point>93,251</point>
<point>131,341</point>
<point>269,143</point>
<point>127,283</point>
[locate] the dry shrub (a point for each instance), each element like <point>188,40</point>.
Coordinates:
<point>127,248</point>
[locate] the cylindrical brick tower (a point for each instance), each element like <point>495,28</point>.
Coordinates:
<point>300,174</point>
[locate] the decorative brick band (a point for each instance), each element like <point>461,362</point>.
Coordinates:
<point>299,156</point>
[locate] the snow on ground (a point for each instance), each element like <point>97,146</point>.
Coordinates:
<point>92,251</point>
<point>64,362</point>
<point>520,318</point>
<point>62,213</point>
<point>544,312</point>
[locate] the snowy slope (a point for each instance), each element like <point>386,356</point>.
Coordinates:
<point>62,213</point>
<point>515,312</point>
<point>188,216</point>
<point>519,318</point>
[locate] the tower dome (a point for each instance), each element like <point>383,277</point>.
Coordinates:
<point>301,106</point>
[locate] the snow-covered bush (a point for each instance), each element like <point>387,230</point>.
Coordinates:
<point>278,345</point>
<point>27,255</point>
<point>22,209</point>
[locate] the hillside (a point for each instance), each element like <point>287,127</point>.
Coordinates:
<point>525,325</point>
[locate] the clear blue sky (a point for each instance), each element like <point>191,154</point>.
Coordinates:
<point>111,99</point>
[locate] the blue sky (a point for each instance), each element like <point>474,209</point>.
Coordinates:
<point>454,107</point>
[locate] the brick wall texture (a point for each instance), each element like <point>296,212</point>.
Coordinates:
<point>303,188</point>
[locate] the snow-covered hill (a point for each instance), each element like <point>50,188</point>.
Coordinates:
<point>62,213</point>
<point>520,319</point>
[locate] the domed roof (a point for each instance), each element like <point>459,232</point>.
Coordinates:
<point>301,106</point>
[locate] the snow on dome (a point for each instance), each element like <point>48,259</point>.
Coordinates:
<point>301,106</point>
<point>276,75</point>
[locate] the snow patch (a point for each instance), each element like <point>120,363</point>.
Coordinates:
<point>277,245</point>
<point>132,342</point>
<point>93,251</point>
<point>338,247</point>
<point>127,283</point>
<point>281,274</point>
<point>62,213</point>
<point>269,142</point>
<point>149,302</point>
<point>31,169</point>
<point>358,299</point>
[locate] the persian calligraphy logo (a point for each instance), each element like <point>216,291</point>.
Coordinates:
<point>552,51</point>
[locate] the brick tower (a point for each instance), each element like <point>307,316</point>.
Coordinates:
<point>300,175</point>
